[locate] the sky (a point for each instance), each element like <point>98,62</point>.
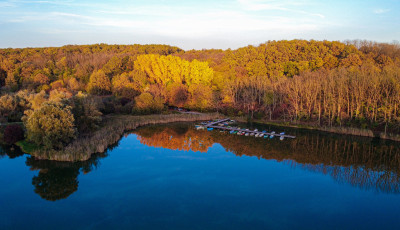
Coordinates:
<point>193,24</point>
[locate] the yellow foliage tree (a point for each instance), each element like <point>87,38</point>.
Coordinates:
<point>99,83</point>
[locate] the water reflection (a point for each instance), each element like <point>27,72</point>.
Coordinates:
<point>58,180</point>
<point>12,152</point>
<point>55,180</point>
<point>360,162</point>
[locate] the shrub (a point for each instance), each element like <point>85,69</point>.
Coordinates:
<point>52,125</point>
<point>13,133</point>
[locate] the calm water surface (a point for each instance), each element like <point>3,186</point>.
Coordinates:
<point>174,177</point>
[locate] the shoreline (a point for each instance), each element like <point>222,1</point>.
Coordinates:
<point>115,126</point>
<point>337,130</point>
<point>112,129</point>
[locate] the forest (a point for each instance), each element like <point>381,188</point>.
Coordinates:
<point>50,96</point>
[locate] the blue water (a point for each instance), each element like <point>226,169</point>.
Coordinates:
<point>136,186</point>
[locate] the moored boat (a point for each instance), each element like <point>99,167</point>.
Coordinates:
<point>199,127</point>
<point>272,134</point>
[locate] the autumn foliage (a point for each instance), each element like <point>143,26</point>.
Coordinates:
<point>326,83</point>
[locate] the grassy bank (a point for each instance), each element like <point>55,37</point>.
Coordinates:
<point>112,129</point>
<point>26,147</point>
<point>337,130</point>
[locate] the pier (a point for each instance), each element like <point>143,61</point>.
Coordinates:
<point>215,125</point>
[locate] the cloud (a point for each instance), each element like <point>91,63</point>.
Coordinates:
<point>259,5</point>
<point>381,11</point>
<point>6,4</point>
<point>196,25</point>
<point>218,25</point>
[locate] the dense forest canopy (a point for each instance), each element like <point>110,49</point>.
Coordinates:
<point>325,82</point>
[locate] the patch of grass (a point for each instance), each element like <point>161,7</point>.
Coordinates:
<point>27,147</point>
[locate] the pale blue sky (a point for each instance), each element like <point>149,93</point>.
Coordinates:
<point>192,24</point>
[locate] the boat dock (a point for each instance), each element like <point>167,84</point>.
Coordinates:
<point>215,125</point>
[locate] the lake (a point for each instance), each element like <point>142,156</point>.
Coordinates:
<point>175,177</point>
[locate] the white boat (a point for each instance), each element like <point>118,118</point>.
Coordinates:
<point>199,127</point>
<point>272,134</point>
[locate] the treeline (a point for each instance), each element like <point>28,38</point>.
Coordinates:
<point>326,83</point>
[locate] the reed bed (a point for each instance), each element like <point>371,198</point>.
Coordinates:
<point>349,131</point>
<point>113,127</point>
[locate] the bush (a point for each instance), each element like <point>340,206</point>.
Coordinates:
<point>52,125</point>
<point>13,133</point>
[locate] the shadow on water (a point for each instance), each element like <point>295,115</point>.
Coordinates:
<point>11,152</point>
<point>56,180</point>
<point>365,163</point>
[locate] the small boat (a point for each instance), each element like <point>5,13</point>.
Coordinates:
<point>231,132</point>
<point>239,133</point>
<point>235,131</point>
<point>251,134</point>
<point>209,129</point>
<point>265,136</point>
<point>261,135</point>
<point>282,133</point>
<point>272,134</point>
<point>281,138</point>
<point>199,127</point>
<point>257,135</point>
<point>247,134</point>
<point>256,130</point>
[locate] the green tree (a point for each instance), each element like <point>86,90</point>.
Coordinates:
<point>51,126</point>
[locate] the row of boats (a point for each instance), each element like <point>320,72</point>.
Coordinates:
<point>242,132</point>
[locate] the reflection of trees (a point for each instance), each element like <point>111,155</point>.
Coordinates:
<point>348,159</point>
<point>176,137</point>
<point>58,180</point>
<point>55,184</point>
<point>11,152</point>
